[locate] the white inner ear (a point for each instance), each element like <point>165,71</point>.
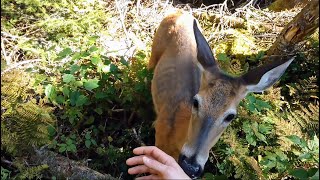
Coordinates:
<point>269,77</point>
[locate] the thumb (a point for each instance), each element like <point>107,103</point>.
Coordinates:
<point>153,164</point>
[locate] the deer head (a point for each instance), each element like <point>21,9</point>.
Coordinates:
<point>215,104</point>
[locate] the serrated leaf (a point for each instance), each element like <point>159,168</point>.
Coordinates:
<point>69,141</point>
<point>68,78</point>
<point>261,137</point>
<point>74,68</point>
<point>81,100</point>
<point>87,143</point>
<point>91,84</point>
<point>73,97</point>
<point>73,148</point>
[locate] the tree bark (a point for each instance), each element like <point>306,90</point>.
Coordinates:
<point>280,5</point>
<point>302,25</point>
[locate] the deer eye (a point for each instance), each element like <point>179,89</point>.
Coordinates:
<point>195,103</point>
<point>230,117</point>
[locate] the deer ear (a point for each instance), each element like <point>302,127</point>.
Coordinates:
<point>204,53</point>
<point>263,77</point>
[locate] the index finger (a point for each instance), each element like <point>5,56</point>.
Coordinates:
<point>155,153</point>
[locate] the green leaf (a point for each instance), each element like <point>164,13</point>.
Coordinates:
<point>68,78</point>
<point>50,92</point>
<point>60,99</point>
<point>251,98</point>
<point>69,141</point>
<point>299,173</point>
<point>62,149</point>
<point>113,68</point>
<point>101,95</point>
<point>95,60</point>
<point>74,68</point>
<point>222,57</point>
<point>87,143</point>
<point>81,100</point>
<point>66,91</point>
<point>251,140</point>
<point>261,137</point>
<point>93,39</point>
<point>76,56</point>
<point>262,104</point>
<point>98,110</point>
<point>88,136</point>
<point>124,62</point>
<point>93,142</point>
<point>78,83</point>
<point>305,156</point>
<point>295,139</point>
<point>89,121</point>
<point>251,107</point>
<point>73,148</point>
<point>93,48</point>
<point>140,56</point>
<point>51,130</point>
<point>73,97</point>
<point>64,53</point>
<point>91,84</point>
<point>314,176</point>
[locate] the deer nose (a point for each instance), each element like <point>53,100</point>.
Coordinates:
<point>190,166</point>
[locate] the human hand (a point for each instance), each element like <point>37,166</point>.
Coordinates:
<point>152,160</point>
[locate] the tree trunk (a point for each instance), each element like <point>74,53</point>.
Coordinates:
<point>302,25</point>
<point>63,168</point>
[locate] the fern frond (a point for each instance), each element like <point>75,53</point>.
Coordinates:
<point>23,122</point>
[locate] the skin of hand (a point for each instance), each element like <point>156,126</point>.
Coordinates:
<point>160,165</point>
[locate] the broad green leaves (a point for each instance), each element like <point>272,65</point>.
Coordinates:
<point>91,84</point>
<point>67,78</point>
<point>256,132</point>
<point>223,57</point>
<point>256,105</point>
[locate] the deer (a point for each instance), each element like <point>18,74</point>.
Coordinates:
<point>193,98</point>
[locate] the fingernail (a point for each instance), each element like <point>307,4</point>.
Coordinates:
<point>145,159</point>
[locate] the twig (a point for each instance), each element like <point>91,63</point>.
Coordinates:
<point>16,65</point>
<point>137,137</point>
<point>3,50</point>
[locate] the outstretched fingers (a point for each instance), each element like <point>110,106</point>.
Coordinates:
<point>155,153</point>
<point>141,169</point>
